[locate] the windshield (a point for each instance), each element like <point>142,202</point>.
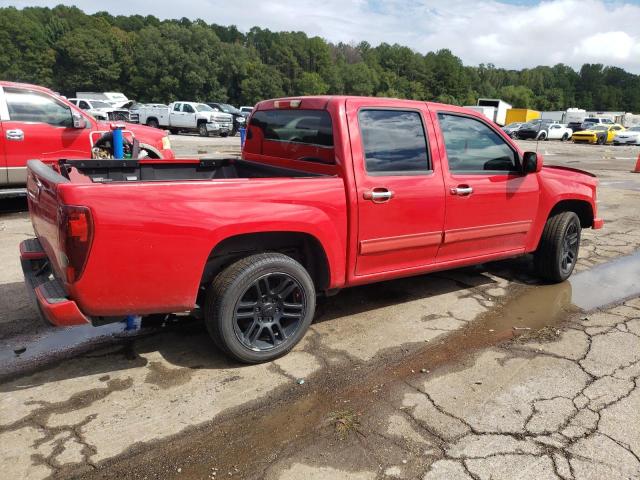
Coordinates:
<point>634,129</point>
<point>98,104</point>
<point>201,107</point>
<point>514,125</point>
<point>600,127</point>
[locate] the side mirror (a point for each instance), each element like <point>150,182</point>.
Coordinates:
<point>531,162</point>
<point>78,120</point>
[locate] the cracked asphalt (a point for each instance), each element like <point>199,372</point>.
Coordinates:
<point>476,373</point>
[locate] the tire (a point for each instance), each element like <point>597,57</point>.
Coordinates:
<point>269,324</point>
<point>202,129</point>
<point>174,131</point>
<point>224,134</point>
<point>565,137</point>
<point>559,246</point>
<point>542,136</point>
<point>152,122</point>
<point>600,140</point>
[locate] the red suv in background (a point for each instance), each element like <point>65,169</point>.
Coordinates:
<point>36,123</point>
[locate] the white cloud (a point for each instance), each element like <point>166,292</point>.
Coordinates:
<point>509,35</point>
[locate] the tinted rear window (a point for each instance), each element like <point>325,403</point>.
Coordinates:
<point>310,127</point>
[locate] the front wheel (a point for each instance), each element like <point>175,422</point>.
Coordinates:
<point>565,137</point>
<point>600,141</point>
<point>202,130</point>
<point>557,252</point>
<point>260,307</point>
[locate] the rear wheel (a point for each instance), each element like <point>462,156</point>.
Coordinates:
<point>600,140</point>
<point>260,307</point>
<point>542,136</point>
<point>174,131</point>
<point>557,253</point>
<point>202,129</point>
<point>565,137</point>
<point>152,122</point>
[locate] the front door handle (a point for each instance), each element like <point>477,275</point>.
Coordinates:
<point>378,195</point>
<point>15,135</point>
<point>462,190</point>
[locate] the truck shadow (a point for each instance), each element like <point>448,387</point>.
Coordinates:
<point>186,345</point>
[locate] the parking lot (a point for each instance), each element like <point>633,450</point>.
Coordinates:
<point>475,373</point>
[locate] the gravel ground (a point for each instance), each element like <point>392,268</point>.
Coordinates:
<point>475,373</point>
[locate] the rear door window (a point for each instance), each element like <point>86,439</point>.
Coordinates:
<point>294,134</point>
<point>394,142</point>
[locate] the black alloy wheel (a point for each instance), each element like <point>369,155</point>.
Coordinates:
<point>269,311</point>
<point>259,308</point>
<point>570,244</point>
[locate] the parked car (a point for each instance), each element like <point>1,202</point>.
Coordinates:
<point>512,129</point>
<point>238,118</point>
<point>101,110</point>
<point>591,121</point>
<point>558,131</point>
<point>337,200</point>
<point>599,134</point>
<point>37,123</point>
<point>630,136</point>
<point>187,116</point>
<point>246,111</point>
<point>536,129</point>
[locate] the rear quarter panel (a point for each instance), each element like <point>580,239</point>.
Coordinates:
<point>152,240</point>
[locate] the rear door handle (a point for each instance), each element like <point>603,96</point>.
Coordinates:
<point>378,195</point>
<point>462,190</point>
<point>15,135</point>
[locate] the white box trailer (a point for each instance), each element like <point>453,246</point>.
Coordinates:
<point>556,116</point>
<point>489,112</point>
<point>501,107</point>
<point>574,117</point>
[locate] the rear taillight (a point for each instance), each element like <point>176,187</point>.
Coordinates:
<point>75,234</point>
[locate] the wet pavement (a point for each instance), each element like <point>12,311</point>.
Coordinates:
<point>473,373</point>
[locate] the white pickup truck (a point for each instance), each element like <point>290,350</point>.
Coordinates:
<point>187,116</point>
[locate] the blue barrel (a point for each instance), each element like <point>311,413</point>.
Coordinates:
<point>243,134</point>
<point>118,143</point>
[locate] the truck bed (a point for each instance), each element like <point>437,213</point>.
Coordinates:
<point>106,171</point>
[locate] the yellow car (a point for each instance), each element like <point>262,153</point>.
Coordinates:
<point>599,134</point>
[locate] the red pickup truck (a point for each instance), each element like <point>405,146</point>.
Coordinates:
<point>330,192</point>
<point>37,123</point>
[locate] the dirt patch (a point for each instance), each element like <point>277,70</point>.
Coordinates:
<point>165,377</point>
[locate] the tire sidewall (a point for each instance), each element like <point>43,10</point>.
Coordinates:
<point>202,130</point>
<point>224,310</point>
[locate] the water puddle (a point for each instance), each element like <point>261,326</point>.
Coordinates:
<point>25,351</point>
<point>608,283</point>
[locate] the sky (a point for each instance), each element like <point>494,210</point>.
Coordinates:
<point>507,33</point>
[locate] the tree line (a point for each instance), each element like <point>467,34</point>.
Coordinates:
<point>154,60</point>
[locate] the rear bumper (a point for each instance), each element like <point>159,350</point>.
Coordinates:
<point>48,293</point>
<point>598,223</point>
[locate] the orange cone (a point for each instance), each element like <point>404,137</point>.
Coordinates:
<point>637,169</point>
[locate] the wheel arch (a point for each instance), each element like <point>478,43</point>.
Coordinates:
<point>582,208</point>
<point>301,246</point>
